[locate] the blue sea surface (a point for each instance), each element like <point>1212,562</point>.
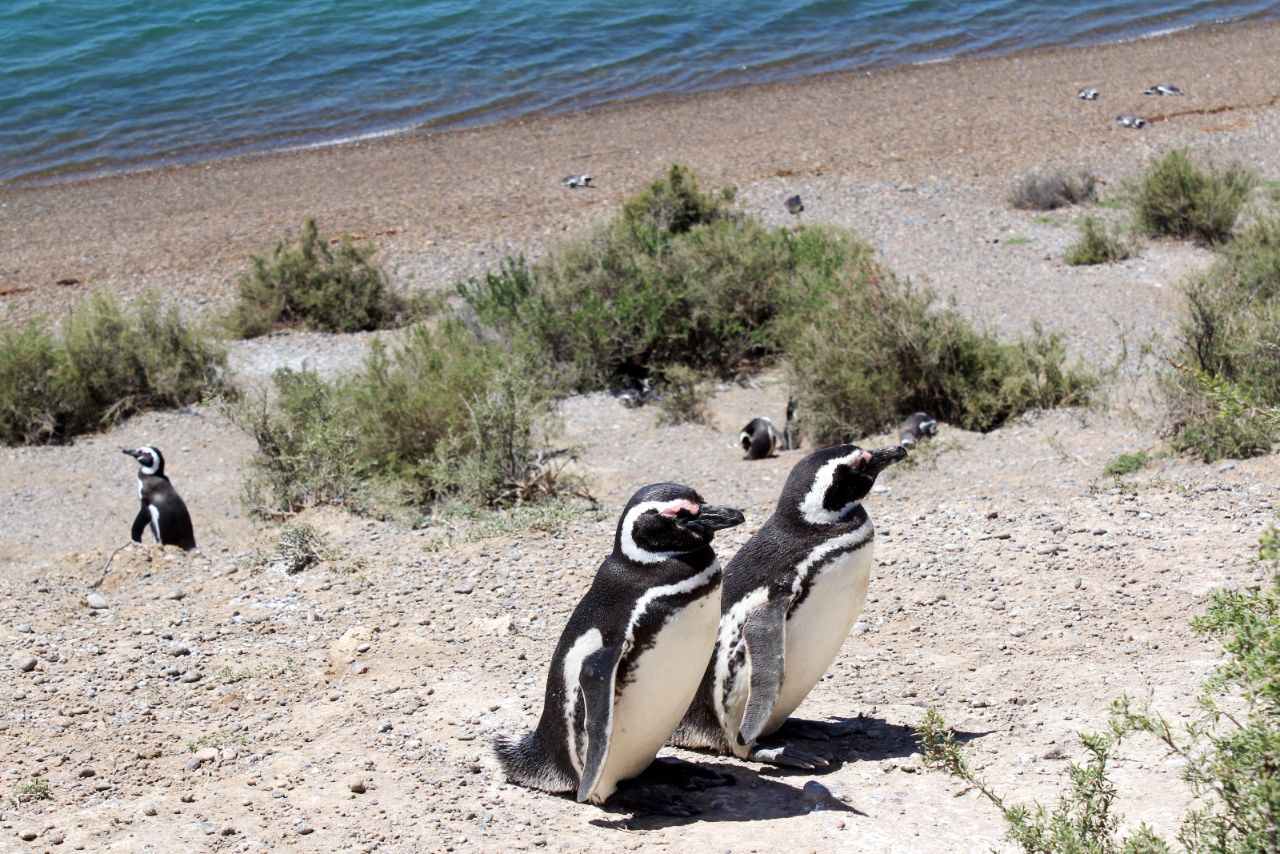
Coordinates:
<point>88,86</point>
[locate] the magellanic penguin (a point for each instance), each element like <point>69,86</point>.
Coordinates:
<point>791,594</point>
<point>916,427</point>
<point>759,439</point>
<point>628,663</point>
<point>162,510</point>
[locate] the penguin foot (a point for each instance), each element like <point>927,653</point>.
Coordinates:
<point>669,771</point>
<point>646,800</point>
<point>787,756</point>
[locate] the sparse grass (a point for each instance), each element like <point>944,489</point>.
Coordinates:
<point>1097,245</point>
<point>446,415</point>
<point>1046,192</point>
<point>313,285</point>
<point>35,789</point>
<point>554,518</point>
<point>1017,241</point>
<point>1229,757</point>
<point>1124,464</point>
<point>1224,387</point>
<point>1176,198</point>
<point>298,546</point>
<point>684,397</point>
<point>1114,203</point>
<point>105,365</point>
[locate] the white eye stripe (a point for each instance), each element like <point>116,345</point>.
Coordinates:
<point>630,547</point>
<point>811,507</point>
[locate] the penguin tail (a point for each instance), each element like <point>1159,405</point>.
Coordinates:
<point>526,762</point>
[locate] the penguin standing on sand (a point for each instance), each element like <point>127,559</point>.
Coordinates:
<point>629,660</point>
<point>162,510</point>
<point>759,439</point>
<point>791,594</point>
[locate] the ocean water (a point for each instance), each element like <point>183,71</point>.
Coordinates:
<point>88,86</point>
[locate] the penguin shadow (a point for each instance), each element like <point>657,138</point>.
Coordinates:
<point>744,793</point>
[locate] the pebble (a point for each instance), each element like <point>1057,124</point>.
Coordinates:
<point>54,838</point>
<point>191,676</point>
<point>96,601</point>
<point>303,827</point>
<point>1047,549</point>
<point>149,809</point>
<point>26,834</point>
<point>26,664</point>
<point>206,754</point>
<point>24,629</point>
<point>815,796</point>
<point>384,726</point>
<point>177,594</point>
<point>356,784</point>
<point>176,649</point>
<point>1017,631</point>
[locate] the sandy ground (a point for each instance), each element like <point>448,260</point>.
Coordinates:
<point>218,705</point>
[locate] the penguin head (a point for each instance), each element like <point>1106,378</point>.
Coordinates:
<point>663,520</point>
<point>149,458</point>
<point>826,486</point>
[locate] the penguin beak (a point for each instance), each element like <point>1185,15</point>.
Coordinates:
<point>882,458</point>
<point>130,451</point>
<point>714,517</point>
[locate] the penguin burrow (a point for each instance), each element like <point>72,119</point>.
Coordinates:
<point>163,511</point>
<point>791,594</point>
<point>628,662</point>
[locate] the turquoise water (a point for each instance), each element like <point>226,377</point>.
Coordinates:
<point>101,85</point>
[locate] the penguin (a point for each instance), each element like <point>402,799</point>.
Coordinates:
<point>162,510</point>
<point>794,205</point>
<point>916,427</point>
<point>573,182</point>
<point>1129,120</point>
<point>1162,89</point>
<point>1088,94</point>
<point>791,594</point>
<point>629,660</point>
<point>759,439</point>
<point>791,430</point>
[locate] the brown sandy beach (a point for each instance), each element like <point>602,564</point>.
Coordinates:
<point>447,203</point>
<point>216,704</point>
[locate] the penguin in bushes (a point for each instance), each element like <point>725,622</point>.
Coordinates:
<point>628,662</point>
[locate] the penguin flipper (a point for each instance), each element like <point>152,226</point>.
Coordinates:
<point>596,682</point>
<point>140,523</point>
<point>765,634</point>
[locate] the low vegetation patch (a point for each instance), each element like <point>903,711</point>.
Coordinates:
<point>1046,192</point>
<point>1229,755</point>
<point>680,280</point>
<point>446,415</point>
<point>1124,464</point>
<point>684,400</point>
<point>1176,198</point>
<point>35,789</point>
<point>298,546</point>
<point>311,284</point>
<point>1225,381</point>
<point>104,365</point>
<point>1097,245</point>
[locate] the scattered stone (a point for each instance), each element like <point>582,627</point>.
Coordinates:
<point>85,773</point>
<point>95,600</point>
<point>206,754</point>
<point>149,809</point>
<point>25,663</point>
<point>26,834</point>
<point>1047,549</point>
<point>54,837</point>
<point>177,649</point>
<point>357,785</point>
<point>177,594</point>
<point>303,827</point>
<point>1017,631</point>
<point>384,726</point>
<point>816,797</point>
<point>191,676</point>
<point>24,629</point>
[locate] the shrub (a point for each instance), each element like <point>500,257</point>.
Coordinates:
<point>445,415</point>
<point>314,286</point>
<point>1127,464</point>
<point>1039,192</point>
<point>1225,387</point>
<point>1096,245</point>
<point>1176,198</point>
<point>684,396</point>
<point>298,546</point>
<point>105,366</point>
<point>1229,757</point>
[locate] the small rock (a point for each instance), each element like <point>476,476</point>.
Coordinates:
<point>54,838</point>
<point>149,809</point>
<point>24,629</point>
<point>95,600</point>
<point>357,785</point>
<point>384,726</point>
<point>464,589</point>
<point>816,797</point>
<point>1078,583</point>
<point>26,834</point>
<point>25,663</point>
<point>1017,631</point>
<point>177,594</point>
<point>191,676</point>
<point>206,754</point>
<point>177,649</point>
<point>303,827</point>
<point>1047,549</point>
<point>85,773</point>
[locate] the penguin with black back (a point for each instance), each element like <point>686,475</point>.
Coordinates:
<point>162,509</point>
<point>918,426</point>
<point>759,439</point>
<point>628,662</point>
<point>791,594</point>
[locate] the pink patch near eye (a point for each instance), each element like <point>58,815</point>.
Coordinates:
<point>673,509</point>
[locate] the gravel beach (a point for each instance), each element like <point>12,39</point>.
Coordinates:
<point>199,702</point>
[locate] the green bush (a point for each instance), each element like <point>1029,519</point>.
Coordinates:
<point>684,396</point>
<point>312,285</point>
<point>1230,757</point>
<point>1123,464</point>
<point>1096,245</point>
<point>1046,192</point>
<point>1225,387</point>
<point>104,366</point>
<point>443,416</point>
<point>1175,198</point>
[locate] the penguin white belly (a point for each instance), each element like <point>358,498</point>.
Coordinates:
<point>663,681</point>
<point>155,521</point>
<point>816,629</point>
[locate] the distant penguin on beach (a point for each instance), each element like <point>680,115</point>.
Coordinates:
<point>162,510</point>
<point>916,427</point>
<point>1129,120</point>
<point>759,439</point>
<point>794,205</point>
<point>1162,89</point>
<point>575,181</point>
<point>1088,94</point>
